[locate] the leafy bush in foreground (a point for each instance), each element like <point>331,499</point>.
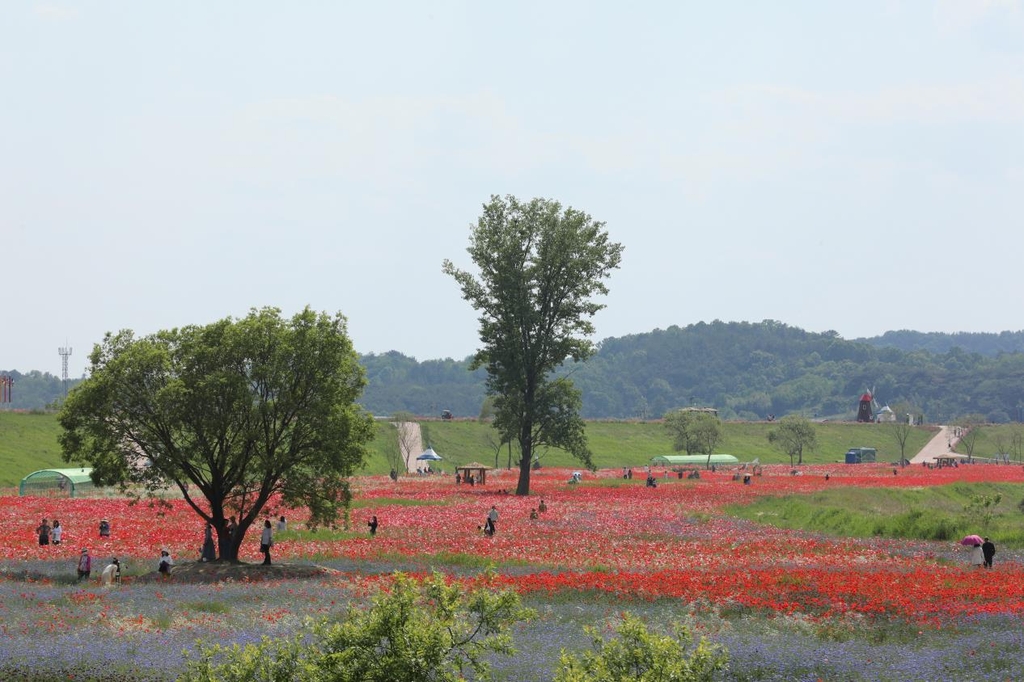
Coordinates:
<point>414,631</point>
<point>640,656</point>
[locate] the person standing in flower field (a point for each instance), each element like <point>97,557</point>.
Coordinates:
<point>104,528</point>
<point>56,532</point>
<point>372,523</point>
<point>977,556</point>
<point>209,551</point>
<point>492,519</point>
<point>84,564</point>
<point>43,531</point>
<point>988,551</point>
<point>266,542</point>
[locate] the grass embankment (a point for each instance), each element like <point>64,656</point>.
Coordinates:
<point>28,442</point>
<point>634,443</point>
<point>945,513</point>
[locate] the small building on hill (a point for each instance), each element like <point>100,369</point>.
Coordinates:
<point>57,483</point>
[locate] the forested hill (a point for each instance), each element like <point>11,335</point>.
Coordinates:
<point>746,370</point>
<point>937,342</point>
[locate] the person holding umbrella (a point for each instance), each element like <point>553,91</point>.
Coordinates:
<point>977,557</point>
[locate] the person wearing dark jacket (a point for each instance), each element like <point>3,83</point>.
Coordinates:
<point>988,549</point>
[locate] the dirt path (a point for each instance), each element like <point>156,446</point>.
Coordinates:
<point>940,444</point>
<point>411,442</point>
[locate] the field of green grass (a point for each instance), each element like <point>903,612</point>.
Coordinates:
<point>633,443</point>
<point>28,442</point>
<point>944,513</point>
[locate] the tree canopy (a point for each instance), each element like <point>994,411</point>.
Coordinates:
<point>794,435</point>
<point>539,267</point>
<point>235,415</point>
<point>693,431</point>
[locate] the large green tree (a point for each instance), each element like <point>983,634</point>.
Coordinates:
<point>794,435</point>
<point>232,414</point>
<point>540,265</point>
<point>694,431</point>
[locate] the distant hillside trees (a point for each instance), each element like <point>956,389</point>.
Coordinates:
<point>990,344</point>
<point>747,370</point>
<point>35,390</point>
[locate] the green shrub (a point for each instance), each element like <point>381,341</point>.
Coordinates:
<point>414,631</point>
<point>636,655</point>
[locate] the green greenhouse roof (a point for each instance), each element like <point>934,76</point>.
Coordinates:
<point>694,459</point>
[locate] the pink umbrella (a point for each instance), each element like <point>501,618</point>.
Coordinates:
<point>972,541</point>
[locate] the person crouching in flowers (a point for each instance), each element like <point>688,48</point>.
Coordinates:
<point>111,574</point>
<point>166,563</point>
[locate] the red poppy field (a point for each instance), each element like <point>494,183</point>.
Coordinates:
<point>605,541</point>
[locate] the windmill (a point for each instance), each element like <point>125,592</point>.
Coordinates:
<point>867,405</point>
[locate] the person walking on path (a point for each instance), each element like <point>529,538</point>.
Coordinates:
<point>372,523</point>
<point>988,550</point>
<point>84,565</point>
<point>266,541</point>
<point>43,531</point>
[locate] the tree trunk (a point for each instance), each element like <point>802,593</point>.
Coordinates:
<point>526,452</point>
<point>523,488</point>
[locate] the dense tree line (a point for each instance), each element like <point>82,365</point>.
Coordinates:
<point>748,370</point>
<point>35,390</point>
<point>985,343</point>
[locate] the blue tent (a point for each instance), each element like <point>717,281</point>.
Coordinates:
<point>430,455</point>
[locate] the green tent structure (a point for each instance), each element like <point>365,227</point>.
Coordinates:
<point>693,460</point>
<point>57,483</point>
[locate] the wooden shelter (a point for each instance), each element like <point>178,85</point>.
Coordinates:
<point>474,469</point>
<point>949,459</point>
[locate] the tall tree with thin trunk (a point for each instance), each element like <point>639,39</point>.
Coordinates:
<point>540,265</point>
<point>901,428</point>
<point>969,432</point>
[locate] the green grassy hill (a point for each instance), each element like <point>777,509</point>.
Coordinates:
<point>28,442</point>
<point>628,443</point>
<point>935,513</point>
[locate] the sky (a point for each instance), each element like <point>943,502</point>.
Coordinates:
<point>856,167</point>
